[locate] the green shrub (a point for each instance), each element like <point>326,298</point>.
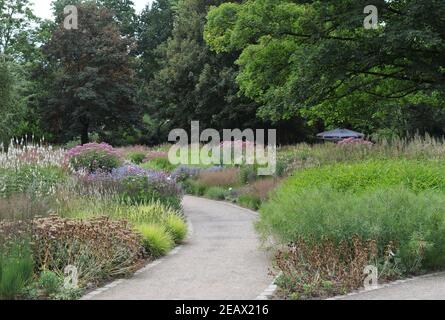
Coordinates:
<point>370,175</point>
<point>49,282</point>
<point>248,174</point>
<point>176,227</point>
<point>216,193</point>
<point>194,187</point>
<point>414,223</point>
<point>249,201</point>
<point>154,212</point>
<point>16,270</point>
<point>162,164</point>
<point>156,239</point>
<point>136,157</point>
<point>281,169</point>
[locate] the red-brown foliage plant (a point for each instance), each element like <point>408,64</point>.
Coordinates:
<point>262,188</point>
<point>322,268</point>
<point>99,248</point>
<point>225,178</point>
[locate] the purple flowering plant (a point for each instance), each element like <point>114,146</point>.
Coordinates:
<point>183,173</point>
<point>133,184</point>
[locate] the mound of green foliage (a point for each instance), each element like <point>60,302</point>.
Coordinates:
<point>370,175</point>
<point>414,223</point>
<point>394,206</point>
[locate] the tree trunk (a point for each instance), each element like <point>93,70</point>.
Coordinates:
<point>84,136</point>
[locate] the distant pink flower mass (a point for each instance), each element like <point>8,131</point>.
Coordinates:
<point>81,149</point>
<point>354,141</point>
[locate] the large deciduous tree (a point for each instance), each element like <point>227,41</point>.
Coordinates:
<point>123,12</point>
<point>5,84</point>
<point>13,112</point>
<point>194,83</point>
<point>89,76</point>
<point>155,26</point>
<point>16,20</point>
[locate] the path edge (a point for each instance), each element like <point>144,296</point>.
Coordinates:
<point>387,285</point>
<point>147,267</point>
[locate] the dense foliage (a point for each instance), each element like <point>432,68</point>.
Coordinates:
<point>299,66</point>
<point>316,58</point>
<point>91,78</point>
<point>80,208</point>
<point>340,216</point>
<point>125,78</point>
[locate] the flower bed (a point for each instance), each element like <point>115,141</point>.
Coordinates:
<point>80,208</point>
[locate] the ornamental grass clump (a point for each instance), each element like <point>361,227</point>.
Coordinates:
<point>154,212</point>
<point>136,157</point>
<point>16,268</point>
<point>94,157</point>
<point>156,239</point>
<point>177,228</point>
<point>158,213</point>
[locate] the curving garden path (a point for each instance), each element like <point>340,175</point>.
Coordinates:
<point>220,260</point>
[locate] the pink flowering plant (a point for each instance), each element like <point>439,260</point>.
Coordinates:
<point>354,141</point>
<point>93,157</point>
<point>153,155</point>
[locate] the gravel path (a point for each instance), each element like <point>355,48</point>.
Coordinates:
<point>221,260</point>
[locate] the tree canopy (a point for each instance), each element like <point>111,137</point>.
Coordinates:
<point>194,83</point>
<point>90,76</point>
<point>316,58</point>
<point>300,66</point>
